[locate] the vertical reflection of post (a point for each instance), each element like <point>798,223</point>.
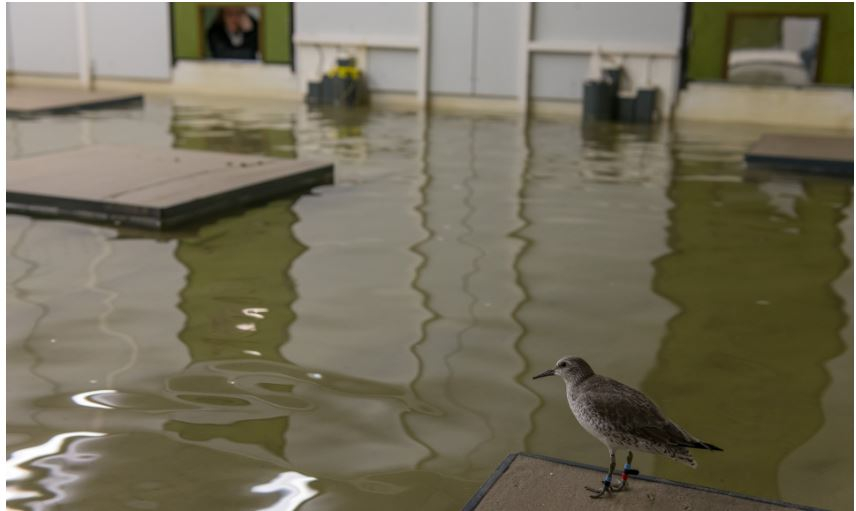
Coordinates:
<point>743,364</point>
<point>424,120</point>
<point>472,289</point>
<point>441,252</point>
<point>519,233</point>
<point>28,314</point>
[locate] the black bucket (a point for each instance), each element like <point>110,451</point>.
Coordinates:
<point>598,100</point>
<point>646,105</point>
<point>313,97</point>
<point>626,108</point>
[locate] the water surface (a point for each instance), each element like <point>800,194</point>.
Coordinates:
<point>370,345</point>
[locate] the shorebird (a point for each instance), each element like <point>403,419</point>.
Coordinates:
<point>622,418</point>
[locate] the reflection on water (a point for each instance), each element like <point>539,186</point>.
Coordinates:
<point>227,130</point>
<point>469,285</point>
<point>751,267</point>
<point>35,463</point>
<point>369,345</point>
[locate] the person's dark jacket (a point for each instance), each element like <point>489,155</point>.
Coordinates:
<point>221,46</point>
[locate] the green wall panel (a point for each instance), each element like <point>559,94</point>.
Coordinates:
<point>276,33</point>
<point>185,31</point>
<point>709,31</point>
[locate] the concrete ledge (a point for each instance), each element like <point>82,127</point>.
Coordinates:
<point>818,107</point>
<point>209,78</point>
<point>151,187</point>
<point>828,155</point>
<point>29,101</point>
<point>218,79</point>
<point>526,481</point>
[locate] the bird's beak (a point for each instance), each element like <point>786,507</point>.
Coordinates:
<point>548,372</point>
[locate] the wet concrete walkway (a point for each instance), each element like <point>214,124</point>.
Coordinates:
<point>525,481</point>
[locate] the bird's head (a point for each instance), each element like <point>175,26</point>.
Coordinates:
<point>572,369</point>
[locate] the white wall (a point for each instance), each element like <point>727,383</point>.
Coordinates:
<point>497,41</point>
<point>623,31</point>
<point>130,40</point>
<point>43,37</point>
<point>370,19</point>
<point>8,41</point>
<point>643,24</point>
<point>452,44</point>
<point>126,40</point>
<point>391,70</point>
<point>556,76</point>
<point>370,28</point>
<point>475,48</point>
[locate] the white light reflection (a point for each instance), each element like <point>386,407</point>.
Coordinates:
<point>83,398</point>
<point>294,488</point>
<point>246,327</point>
<point>255,312</point>
<point>14,471</point>
<point>55,480</point>
<point>315,376</point>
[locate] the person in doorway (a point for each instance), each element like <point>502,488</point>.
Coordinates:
<point>233,35</point>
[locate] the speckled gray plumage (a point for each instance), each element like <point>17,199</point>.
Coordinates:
<point>622,417</point>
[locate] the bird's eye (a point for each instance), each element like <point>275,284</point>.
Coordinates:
<point>563,364</point>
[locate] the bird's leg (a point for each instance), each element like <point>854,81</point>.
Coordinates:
<point>607,480</point>
<point>628,471</point>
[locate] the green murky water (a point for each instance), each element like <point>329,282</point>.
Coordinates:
<point>370,345</point>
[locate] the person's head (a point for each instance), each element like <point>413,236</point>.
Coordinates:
<point>231,17</point>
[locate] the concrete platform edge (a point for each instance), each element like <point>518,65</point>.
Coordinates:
<point>126,102</point>
<point>161,219</point>
<point>829,167</point>
<point>476,499</point>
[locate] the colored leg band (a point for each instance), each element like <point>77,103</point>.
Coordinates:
<point>628,471</point>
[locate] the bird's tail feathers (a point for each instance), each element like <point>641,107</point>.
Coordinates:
<point>701,445</point>
<point>711,447</point>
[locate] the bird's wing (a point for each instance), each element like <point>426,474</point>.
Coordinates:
<point>621,405</point>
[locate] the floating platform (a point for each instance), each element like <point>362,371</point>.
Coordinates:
<point>151,187</point>
<point>829,155</point>
<point>31,101</point>
<point>525,481</point>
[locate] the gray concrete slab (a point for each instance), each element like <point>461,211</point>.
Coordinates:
<point>28,101</point>
<point>525,481</point>
<point>149,186</point>
<point>801,152</point>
